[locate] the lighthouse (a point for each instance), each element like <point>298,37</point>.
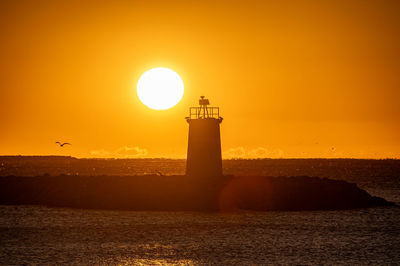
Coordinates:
<point>204,145</point>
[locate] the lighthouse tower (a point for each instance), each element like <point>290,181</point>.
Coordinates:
<point>204,147</point>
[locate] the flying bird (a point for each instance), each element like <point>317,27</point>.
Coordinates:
<point>62,144</point>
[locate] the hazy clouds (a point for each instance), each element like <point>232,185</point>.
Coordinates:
<point>122,152</point>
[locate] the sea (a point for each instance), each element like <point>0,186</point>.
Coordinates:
<point>38,235</point>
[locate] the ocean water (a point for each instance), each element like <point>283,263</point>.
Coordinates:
<point>41,235</point>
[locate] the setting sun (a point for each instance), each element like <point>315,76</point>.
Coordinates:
<point>200,132</point>
<point>160,88</point>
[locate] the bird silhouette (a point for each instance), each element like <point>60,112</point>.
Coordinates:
<point>62,144</point>
<point>159,173</point>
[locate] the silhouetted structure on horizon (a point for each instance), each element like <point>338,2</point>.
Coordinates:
<point>206,189</point>
<point>204,145</point>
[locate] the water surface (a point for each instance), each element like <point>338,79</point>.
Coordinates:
<point>40,235</point>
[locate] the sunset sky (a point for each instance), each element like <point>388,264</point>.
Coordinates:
<point>292,78</point>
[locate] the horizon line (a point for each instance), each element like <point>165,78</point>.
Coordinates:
<point>233,158</point>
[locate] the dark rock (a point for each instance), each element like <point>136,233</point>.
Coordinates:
<point>174,193</point>
<point>294,193</point>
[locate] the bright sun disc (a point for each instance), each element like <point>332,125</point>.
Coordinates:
<point>160,88</point>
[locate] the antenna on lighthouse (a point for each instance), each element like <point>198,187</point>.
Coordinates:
<point>203,111</point>
<point>203,106</point>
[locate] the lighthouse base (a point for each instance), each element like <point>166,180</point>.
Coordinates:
<point>204,148</point>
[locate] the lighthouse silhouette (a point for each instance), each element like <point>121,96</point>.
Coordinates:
<point>204,144</point>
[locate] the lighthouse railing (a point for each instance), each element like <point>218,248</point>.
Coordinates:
<point>203,112</point>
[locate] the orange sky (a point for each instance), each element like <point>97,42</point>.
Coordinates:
<point>292,78</point>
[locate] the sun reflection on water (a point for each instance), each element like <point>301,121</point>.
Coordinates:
<point>150,261</point>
